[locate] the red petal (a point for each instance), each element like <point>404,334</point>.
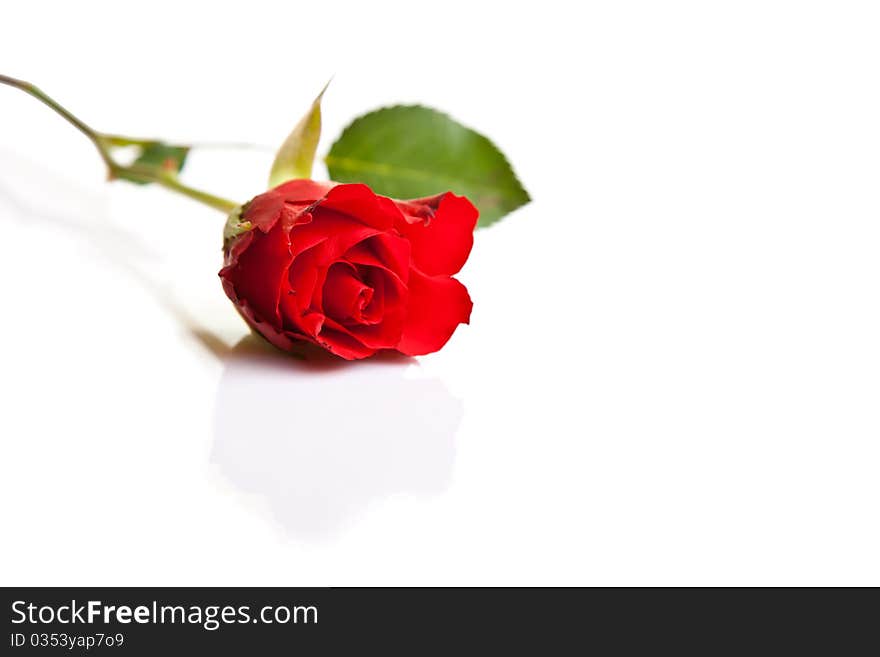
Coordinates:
<point>385,250</point>
<point>436,306</point>
<point>338,232</point>
<point>303,191</point>
<point>305,278</point>
<point>382,324</point>
<point>336,340</point>
<point>263,211</point>
<point>359,201</point>
<point>440,230</point>
<point>283,340</point>
<point>345,296</point>
<point>258,271</point>
<point>374,311</point>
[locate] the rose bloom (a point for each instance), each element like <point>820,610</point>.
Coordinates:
<point>354,272</point>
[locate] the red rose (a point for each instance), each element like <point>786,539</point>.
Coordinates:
<point>349,270</point>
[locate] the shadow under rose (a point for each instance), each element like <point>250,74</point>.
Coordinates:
<point>322,439</point>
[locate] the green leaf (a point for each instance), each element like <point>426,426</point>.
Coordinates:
<point>297,154</point>
<point>412,151</point>
<point>235,226</point>
<point>158,158</point>
<point>167,157</point>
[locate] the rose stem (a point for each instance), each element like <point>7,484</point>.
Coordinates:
<point>114,169</point>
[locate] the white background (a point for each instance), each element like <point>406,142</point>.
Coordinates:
<point>673,367</point>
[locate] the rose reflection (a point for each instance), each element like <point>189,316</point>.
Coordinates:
<point>321,440</point>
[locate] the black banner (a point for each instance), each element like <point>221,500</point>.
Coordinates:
<point>147,621</point>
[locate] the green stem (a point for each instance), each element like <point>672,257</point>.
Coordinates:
<point>80,125</point>
<point>103,142</point>
<point>171,182</point>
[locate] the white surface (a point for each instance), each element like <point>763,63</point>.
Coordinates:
<point>673,369</point>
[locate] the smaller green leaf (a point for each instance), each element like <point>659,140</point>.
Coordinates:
<point>413,151</point>
<point>297,154</point>
<point>235,226</point>
<point>158,158</point>
<point>167,157</point>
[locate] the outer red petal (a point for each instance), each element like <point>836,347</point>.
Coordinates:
<point>360,202</point>
<point>257,270</point>
<point>304,277</point>
<point>335,339</point>
<point>441,231</point>
<point>336,232</point>
<point>436,306</point>
<point>303,191</point>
